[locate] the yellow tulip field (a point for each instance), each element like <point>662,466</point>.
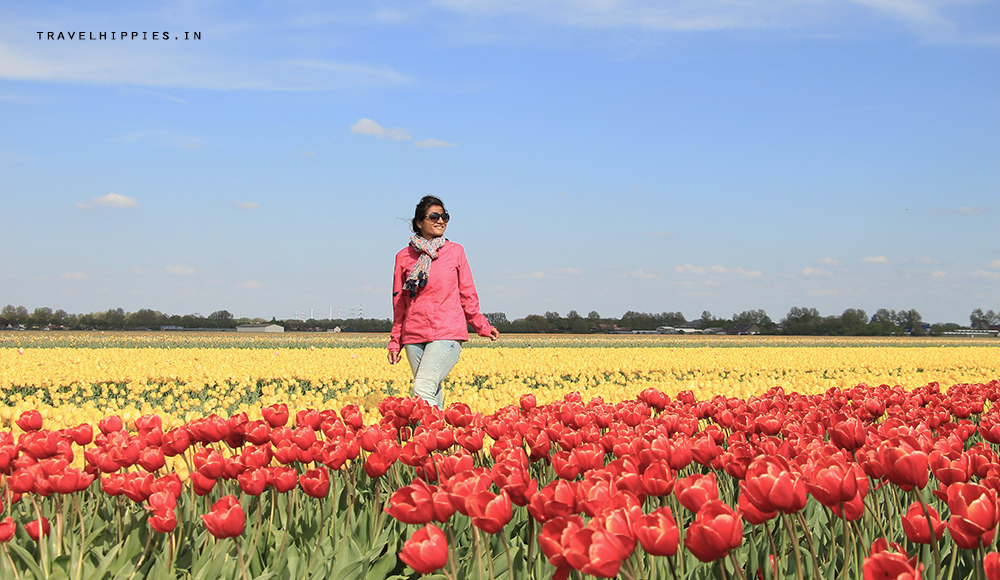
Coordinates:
<point>74,377</point>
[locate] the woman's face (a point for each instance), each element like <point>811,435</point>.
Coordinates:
<point>431,229</point>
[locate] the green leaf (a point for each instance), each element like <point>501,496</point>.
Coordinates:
<point>28,560</point>
<point>101,570</point>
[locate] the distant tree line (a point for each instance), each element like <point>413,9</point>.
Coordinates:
<point>798,321</point>
<point>145,319</point>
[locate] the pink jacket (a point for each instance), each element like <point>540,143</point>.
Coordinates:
<point>441,309</point>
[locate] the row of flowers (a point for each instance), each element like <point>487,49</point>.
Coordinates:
<point>876,482</point>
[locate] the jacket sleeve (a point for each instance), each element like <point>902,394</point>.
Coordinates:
<point>400,299</point>
<point>470,299</point>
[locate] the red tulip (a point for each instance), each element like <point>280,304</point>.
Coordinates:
<point>176,441</point>
<point>38,528</point>
<point>515,480</point>
<point>381,459</point>
<point>695,490</point>
<point>657,532</point>
<point>315,482</point>
<point>466,484</point>
<point>7,528</point>
<point>849,434</point>
<point>991,563</point>
<point>275,415</point>
<point>974,514</point>
<point>489,512</point>
<point>210,463</point>
<point>30,421</point>
<point>110,424</point>
<point>905,462</point>
<point>771,486</point>
<point>888,565</point>
<point>112,483</point>
<point>71,480</point>
<point>554,541</point>
<point>557,499</point>
<point>283,479</point>
<point>151,459</point>
<point>226,520</point>
<point>716,530</point>
<point>253,481</point>
<point>918,528</point>
<point>163,521</point>
<point>596,552</point>
<point>751,512</point>
<point>950,466</point>
<point>202,485</point>
<point>413,504</point>
<point>832,481</point>
<point>426,551</point>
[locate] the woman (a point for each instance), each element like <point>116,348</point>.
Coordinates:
<point>433,297</point>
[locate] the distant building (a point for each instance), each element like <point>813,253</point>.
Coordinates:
<point>744,328</point>
<point>971,332</point>
<point>266,327</point>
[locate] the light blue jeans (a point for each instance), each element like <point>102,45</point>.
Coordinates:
<point>431,362</point>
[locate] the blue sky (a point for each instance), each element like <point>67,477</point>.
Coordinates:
<point>595,155</point>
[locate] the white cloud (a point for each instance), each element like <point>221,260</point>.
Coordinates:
<point>939,274</point>
<point>925,17</point>
<point>816,272</point>
<point>368,127</point>
<point>434,143</point>
<point>875,260</point>
<point>995,264</point>
<point>644,274</point>
<point>986,274</point>
<point>247,205</point>
<point>109,200</point>
<point>140,271</point>
<point>249,285</point>
<point>180,270</point>
<point>74,276</point>
<point>551,274</point>
<point>717,269</point>
<point>690,269</point>
<point>115,200</point>
<point>828,262</point>
<point>148,65</point>
<point>969,210</point>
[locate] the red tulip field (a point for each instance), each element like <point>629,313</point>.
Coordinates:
<point>865,482</point>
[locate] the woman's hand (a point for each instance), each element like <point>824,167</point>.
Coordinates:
<point>494,334</point>
<point>394,357</point>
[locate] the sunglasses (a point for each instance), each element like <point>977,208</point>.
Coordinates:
<point>438,216</point>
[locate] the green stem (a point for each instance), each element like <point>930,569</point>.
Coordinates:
<point>42,541</point>
<point>774,553</point>
<point>142,558</point>
<point>795,545</point>
<point>11,560</point>
<point>243,566</point>
<point>847,533</point>
<point>510,562</point>
<point>809,541</point>
<point>83,536</point>
<point>737,567</point>
<point>930,529</point>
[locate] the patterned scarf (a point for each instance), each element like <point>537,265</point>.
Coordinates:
<point>428,252</point>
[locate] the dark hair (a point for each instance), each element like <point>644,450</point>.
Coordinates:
<point>421,212</point>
